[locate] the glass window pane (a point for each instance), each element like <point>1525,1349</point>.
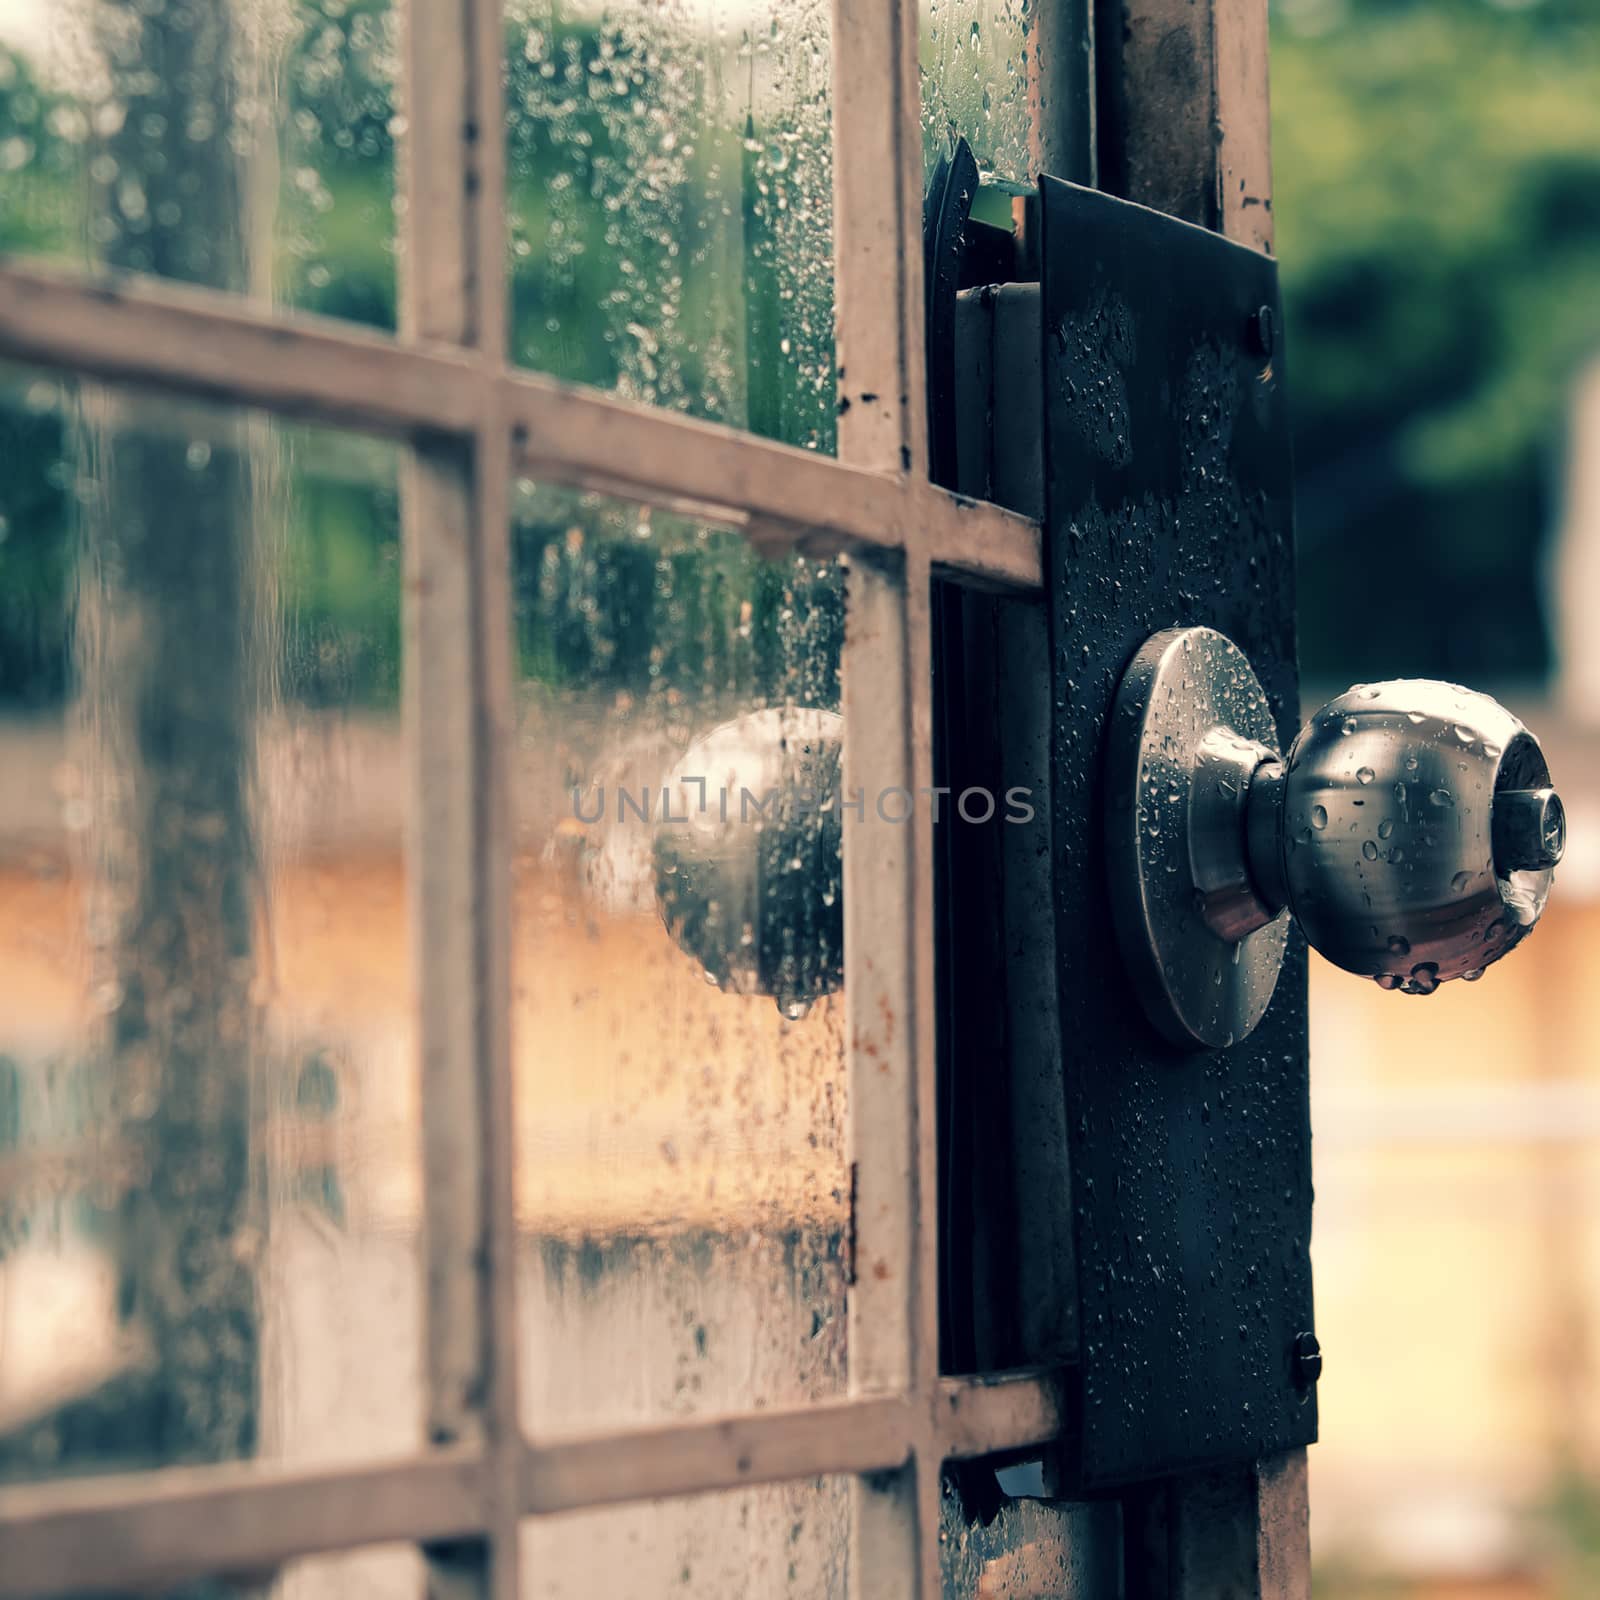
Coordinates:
<point>678,1034</point>
<point>670,190</point>
<point>240,144</point>
<point>994,1547</point>
<point>975,82</point>
<point>785,1541</point>
<point>209,1174</point>
<point>374,1572</point>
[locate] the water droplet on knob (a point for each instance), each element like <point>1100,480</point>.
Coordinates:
<point>1424,978</point>
<point>1319,816</point>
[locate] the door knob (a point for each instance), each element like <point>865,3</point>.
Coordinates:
<point>747,856</point>
<point>1411,830</point>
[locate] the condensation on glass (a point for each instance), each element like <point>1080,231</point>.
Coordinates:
<point>975,61</point>
<point>244,145</point>
<point>784,1541</point>
<point>995,1547</point>
<point>678,1025</point>
<point>373,1572</point>
<point>670,194</point>
<point>209,1171</point>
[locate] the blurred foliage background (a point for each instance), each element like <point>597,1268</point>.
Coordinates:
<point>1437,183</point>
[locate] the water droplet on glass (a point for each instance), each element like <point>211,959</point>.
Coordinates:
<point>1442,797</point>
<point>1386,827</point>
<point>1369,850</point>
<point>1460,881</point>
<point>1319,816</point>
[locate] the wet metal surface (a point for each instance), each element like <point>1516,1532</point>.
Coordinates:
<point>1190,727</point>
<point>1167,504</point>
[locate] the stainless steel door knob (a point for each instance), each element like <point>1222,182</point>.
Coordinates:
<point>1411,831</point>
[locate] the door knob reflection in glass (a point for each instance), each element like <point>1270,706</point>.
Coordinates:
<point>1411,830</point>
<point>747,858</point>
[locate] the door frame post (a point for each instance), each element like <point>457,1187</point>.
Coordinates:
<point>1183,124</point>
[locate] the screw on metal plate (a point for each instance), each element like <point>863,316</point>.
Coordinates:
<point>1263,330</point>
<point>1411,831</point>
<point>1307,1360</point>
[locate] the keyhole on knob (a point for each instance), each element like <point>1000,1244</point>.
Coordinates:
<point>1529,830</point>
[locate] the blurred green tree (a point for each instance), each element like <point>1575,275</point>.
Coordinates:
<point>1437,179</point>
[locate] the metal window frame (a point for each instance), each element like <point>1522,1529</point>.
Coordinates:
<point>445,386</point>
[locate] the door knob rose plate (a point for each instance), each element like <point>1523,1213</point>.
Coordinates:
<point>1412,832</point>
<point>1189,726</point>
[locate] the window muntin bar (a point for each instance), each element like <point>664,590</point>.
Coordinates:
<point>63,1538</point>
<point>101,1534</point>
<point>888,683</point>
<point>458,723</point>
<point>196,343</point>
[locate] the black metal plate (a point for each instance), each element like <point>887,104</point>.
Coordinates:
<point>1167,463</point>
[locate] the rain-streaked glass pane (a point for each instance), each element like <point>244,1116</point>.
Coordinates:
<point>245,145</point>
<point>209,1168</point>
<point>374,1572</point>
<point>784,1541</point>
<point>670,194</point>
<point>678,1029</point>
<point>974,57</point>
<point>994,1547</point>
